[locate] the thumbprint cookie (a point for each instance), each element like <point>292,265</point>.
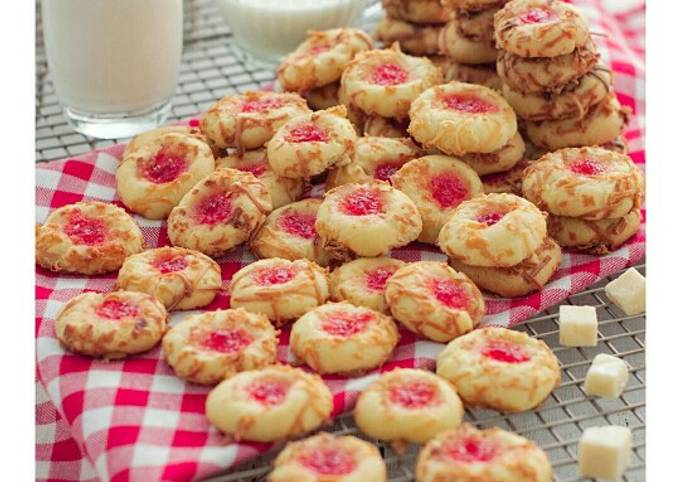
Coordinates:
<point>210,347</point>
<point>385,82</point>
<point>179,278</point>
<point>321,58</point>
<point>491,455</point>
<point>307,145</point>
<point>540,28</point>
<point>408,405</point>
<point>362,282</point>
<point>343,338</point>
<point>502,160</point>
<point>220,212</point>
<point>596,237</point>
<point>269,404</point>
<point>374,158</point>
<point>366,220</point>
<point>152,179</point>
<point>463,48</point>
<point>329,458</point>
<point>249,120</point>
<point>493,230</point>
<point>323,97</point>
<point>413,39</point>
<point>281,289</point>
<point>458,118</point>
<point>417,11</point>
<point>283,190</point>
<point>111,325</point>
<point>434,301</point>
<point>88,237</point>
<point>148,137</point>
<point>436,184</point>
<point>502,369</point>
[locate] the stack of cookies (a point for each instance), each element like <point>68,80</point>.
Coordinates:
<point>548,64</point>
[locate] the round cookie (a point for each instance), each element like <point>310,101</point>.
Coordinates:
<point>459,118</point>
<point>437,185</point>
<point>504,159</point>
<point>324,97</point>
<point>463,49</point>
<point>589,182</point>
<point>220,212</point>
<point>210,347</point>
<point>408,405</point>
<point>281,289</point>
<point>326,457</point>
<point>501,369</point>
<point>491,455</point>
<point>417,11</point>
<point>268,404</point>
<point>531,274</point>
<point>179,278</point>
<point>385,82</point>
<point>340,338</point>
<point>247,121</point>
<point>540,28</point>
<point>377,126</point>
<point>148,137</point>
<point>483,74</point>
<point>111,325</point>
<point>596,237</point>
<point>87,237</point>
<point>362,282</point>
<point>476,24</point>
<point>493,230</point>
<point>366,220</point>
<point>283,190</point>
<point>308,145</point>
<point>413,39</point>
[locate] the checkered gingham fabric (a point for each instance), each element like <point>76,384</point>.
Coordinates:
<point>134,420</point>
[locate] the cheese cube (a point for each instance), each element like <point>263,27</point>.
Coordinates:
<point>628,292</point>
<point>604,452</point>
<point>578,325</point>
<point>606,377</point>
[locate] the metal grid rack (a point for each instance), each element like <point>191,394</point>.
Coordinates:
<point>211,69</point>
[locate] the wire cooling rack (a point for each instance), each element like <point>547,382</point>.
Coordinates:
<point>211,69</point>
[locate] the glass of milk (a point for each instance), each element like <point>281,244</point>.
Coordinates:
<point>114,63</point>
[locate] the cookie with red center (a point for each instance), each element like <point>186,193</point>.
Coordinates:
<point>590,183</point>
<point>269,404</point>
<point>374,158</point>
<point>362,282</point>
<point>149,137</point>
<point>463,48</point>
<point>220,212</point>
<point>596,237</point>
<point>325,457</point>
<point>209,347</point>
<point>344,339</point>
<point>434,301</point>
<point>436,184</point>
<point>413,39</point>
<point>502,369</point>
<point>408,405</point>
<point>459,118</point>
<point>540,28</point>
<point>247,121</point>
<point>88,237</point>
<point>181,279</point>
<point>111,325</point>
<point>417,11</point>
<point>283,190</point>
<point>502,160</point>
<point>493,230</point>
<point>491,455</point>
<point>321,58</point>
<point>385,82</point>
<point>366,220</point>
<point>281,289</point>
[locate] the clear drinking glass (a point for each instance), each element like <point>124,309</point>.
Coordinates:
<point>114,63</point>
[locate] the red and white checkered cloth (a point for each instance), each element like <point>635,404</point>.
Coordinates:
<point>134,420</point>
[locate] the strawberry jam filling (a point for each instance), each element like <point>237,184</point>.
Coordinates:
<point>346,324</point>
<point>214,209</point>
<point>586,167</point>
<point>116,309</point>
<point>537,15</point>
<point>413,394</point>
<point>384,171</point>
<point>256,169</point>
<point>471,450</point>
<point>268,392</point>
<point>490,218</point>
<point>260,105</point>
<point>83,230</point>
<point>505,352</point>
<point>328,461</point>
<point>469,104</point>
<point>362,202</point>
<point>448,190</point>
<point>307,133</point>
<point>163,167</point>
<point>227,341</point>
<point>378,278</point>
<point>389,74</point>
<point>274,276</point>
<point>450,294</point>
<point>166,264</point>
<point>298,224</point>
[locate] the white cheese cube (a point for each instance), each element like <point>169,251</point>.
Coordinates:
<point>628,292</point>
<point>606,377</point>
<point>578,325</point>
<point>604,452</point>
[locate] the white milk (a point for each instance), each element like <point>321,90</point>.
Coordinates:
<point>113,56</point>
